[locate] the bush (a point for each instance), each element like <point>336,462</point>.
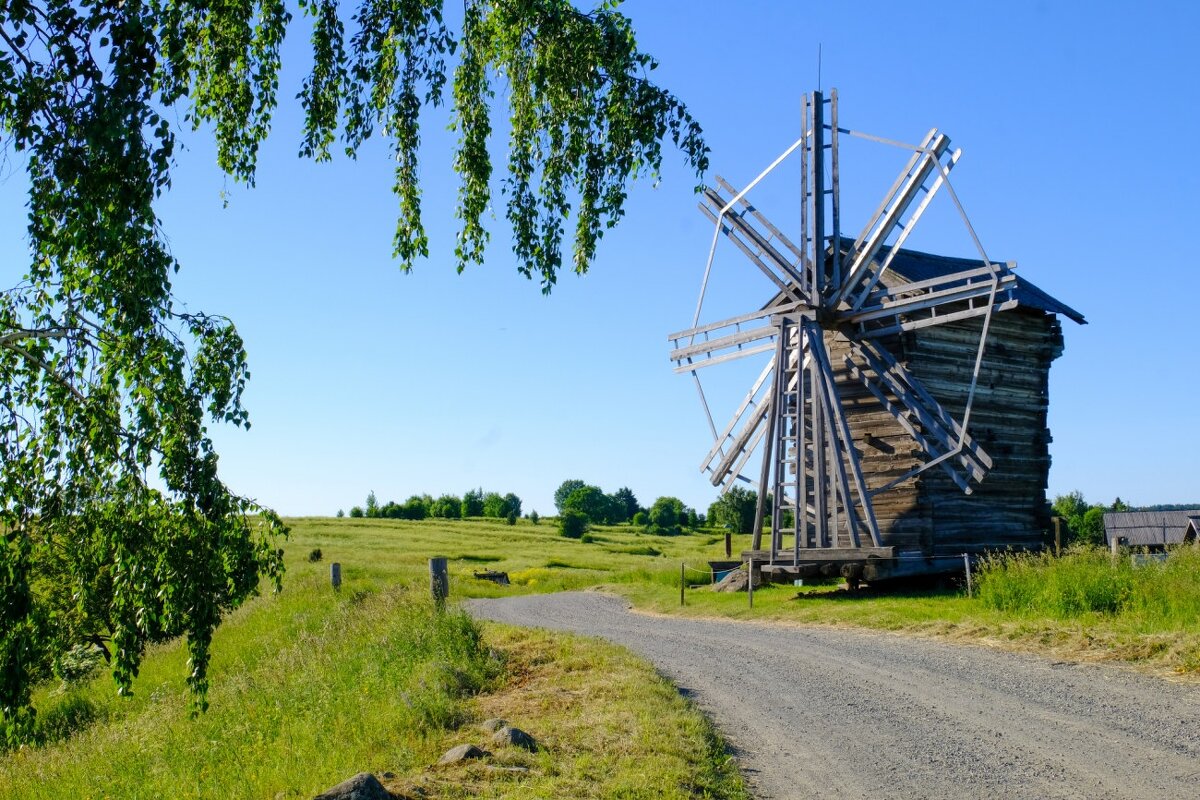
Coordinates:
<point>587,538</point>
<point>511,519</point>
<point>340,513</point>
<point>356,512</point>
<point>315,555</point>
<point>572,524</point>
<point>641,519</point>
<point>534,518</point>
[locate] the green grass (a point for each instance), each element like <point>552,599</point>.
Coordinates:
<point>312,686</point>
<point>1157,596</point>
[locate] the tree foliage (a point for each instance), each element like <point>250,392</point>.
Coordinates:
<point>735,510</point>
<point>564,491</point>
<point>109,489</point>
<point>592,503</point>
<point>625,503</point>
<point>472,504</point>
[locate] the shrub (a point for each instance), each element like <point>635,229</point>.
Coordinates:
<point>315,555</point>
<point>641,519</point>
<point>587,538</point>
<point>356,512</point>
<point>340,513</point>
<point>511,519</point>
<point>572,524</point>
<point>534,518</point>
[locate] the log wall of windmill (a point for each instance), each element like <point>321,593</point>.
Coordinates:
<point>931,513</point>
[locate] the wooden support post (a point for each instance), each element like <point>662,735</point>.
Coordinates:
<point>335,575</point>
<point>439,581</point>
<point>728,543</point>
<point>750,581</point>
<point>1058,536</point>
<point>682,581</point>
<point>967,571</point>
<point>1115,546</point>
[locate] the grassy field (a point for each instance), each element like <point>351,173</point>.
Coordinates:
<point>312,686</point>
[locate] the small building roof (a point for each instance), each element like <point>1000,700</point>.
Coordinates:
<point>1151,527</point>
<point>913,265</point>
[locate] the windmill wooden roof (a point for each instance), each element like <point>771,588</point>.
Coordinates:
<point>913,265</point>
<point>1151,527</point>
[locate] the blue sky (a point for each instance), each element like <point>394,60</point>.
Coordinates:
<point>1078,123</point>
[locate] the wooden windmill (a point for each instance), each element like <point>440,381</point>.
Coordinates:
<point>833,334</point>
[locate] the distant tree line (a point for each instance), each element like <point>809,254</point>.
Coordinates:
<point>474,503</point>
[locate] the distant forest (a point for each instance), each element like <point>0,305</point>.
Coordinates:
<point>1167,507</point>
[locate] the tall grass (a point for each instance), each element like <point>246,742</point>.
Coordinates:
<point>1159,596</point>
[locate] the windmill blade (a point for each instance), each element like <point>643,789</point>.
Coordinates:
<point>939,433</point>
<point>734,334</point>
<point>936,301</point>
<point>924,163</point>
<point>740,228</point>
<point>748,419</point>
<point>730,452</point>
<point>858,299</point>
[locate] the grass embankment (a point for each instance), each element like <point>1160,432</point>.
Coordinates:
<point>312,686</point>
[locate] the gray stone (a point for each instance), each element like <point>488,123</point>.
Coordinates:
<point>363,786</point>
<point>492,725</point>
<point>736,581</point>
<point>515,737</point>
<point>463,752</point>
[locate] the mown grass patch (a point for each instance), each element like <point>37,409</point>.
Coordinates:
<point>607,726</point>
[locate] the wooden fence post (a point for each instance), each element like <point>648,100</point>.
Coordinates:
<point>682,581</point>
<point>439,581</point>
<point>335,575</point>
<point>750,581</point>
<point>967,570</point>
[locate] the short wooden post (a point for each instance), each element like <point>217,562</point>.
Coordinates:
<point>335,575</point>
<point>750,581</point>
<point>1058,536</point>
<point>439,581</point>
<point>1114,545</point>
<point>967,571</point>
<point>728,543</point>
<point>682,580</point>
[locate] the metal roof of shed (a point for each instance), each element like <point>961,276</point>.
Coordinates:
<point>1150,527</point>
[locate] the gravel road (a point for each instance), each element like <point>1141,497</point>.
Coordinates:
<point>816,712</point>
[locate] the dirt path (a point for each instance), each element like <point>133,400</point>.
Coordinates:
<point>825,713</point>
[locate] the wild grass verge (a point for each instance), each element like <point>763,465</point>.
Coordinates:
<point>1153,594</point>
